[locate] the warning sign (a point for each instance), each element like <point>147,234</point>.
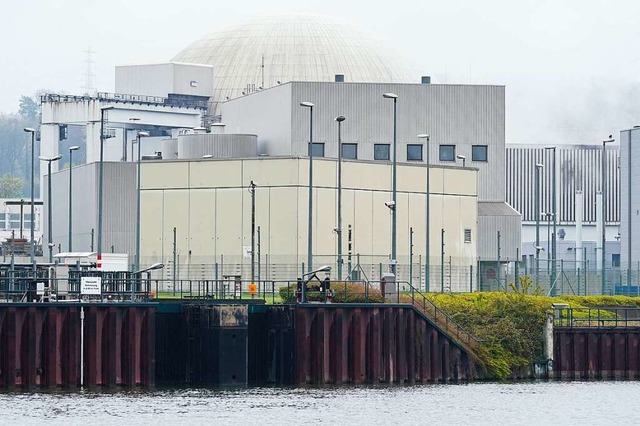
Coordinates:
<point>91,286</point>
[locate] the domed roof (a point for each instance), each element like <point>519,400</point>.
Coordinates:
<point>293,48</point>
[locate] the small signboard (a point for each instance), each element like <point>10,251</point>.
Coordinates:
<point>40,289</point>
<point>247,252</point>
<point>91,286</point>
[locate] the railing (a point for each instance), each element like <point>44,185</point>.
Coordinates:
<point>176,101</point>
<point>611,317</point>
<point>420,301</point>
<point>114,287</point>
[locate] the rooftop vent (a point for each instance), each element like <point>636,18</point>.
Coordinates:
<point>426,79</point>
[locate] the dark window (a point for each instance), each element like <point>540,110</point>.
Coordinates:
<point>350,151</point>
<point>615,260</point>
<point>381,151</point>
<point>447,153</point>
<point>318,149</point>
<point>478,153</point>
<point>414,152</point>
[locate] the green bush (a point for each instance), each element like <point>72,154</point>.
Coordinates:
<point>510,324</point>
<point>343,292</point>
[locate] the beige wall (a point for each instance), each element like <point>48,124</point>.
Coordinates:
<point>209,204</point>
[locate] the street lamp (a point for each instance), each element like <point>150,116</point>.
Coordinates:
<point>555,221</point>
<point>310,214</point>
<point>101,177</point>
<point>49,213</point>
<point>311,274</point>
<point>140,135</point>
<point>463,158</point>
<point>394,180</point>
<point>207,156</point>
<point>537,213</point>
<point>33,243</point>
<point>148,270</point>
<point>71,149</point>
<point>339,119</point>
<point>604,205</point>
<point>427,254</point>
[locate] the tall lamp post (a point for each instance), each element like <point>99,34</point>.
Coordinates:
<point>310,213</point>
<point>427,253</point>
<point>604,206</point>
<point>141,134</point>
<point>101,177</point>
<point>394,258</point>
<point>339,119</point>
<point>538,213</point>
<point>33,243</point>
<point>71,149</point>
<point>49,204</point>
<point>554,235</point>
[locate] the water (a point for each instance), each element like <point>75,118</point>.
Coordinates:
<point>540,403</point>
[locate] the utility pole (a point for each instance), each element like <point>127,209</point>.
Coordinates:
<point>252,190</point>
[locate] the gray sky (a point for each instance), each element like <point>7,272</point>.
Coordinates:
<point>571,67</point>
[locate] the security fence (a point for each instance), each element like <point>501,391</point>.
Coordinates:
<point>553,278</point>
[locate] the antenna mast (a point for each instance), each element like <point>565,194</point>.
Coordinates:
<point>89,75</point>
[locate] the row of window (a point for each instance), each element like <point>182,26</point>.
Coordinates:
<point>382,152</point>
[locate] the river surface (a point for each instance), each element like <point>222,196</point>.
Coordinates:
<point>535,403</point>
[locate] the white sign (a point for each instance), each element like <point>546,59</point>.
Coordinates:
<point>247,252</point>
<point>91,285</point>
<point>40,289</point>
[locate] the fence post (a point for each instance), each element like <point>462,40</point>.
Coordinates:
<point>470,278</point>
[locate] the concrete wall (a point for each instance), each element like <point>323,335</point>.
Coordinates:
<point>209,205</point>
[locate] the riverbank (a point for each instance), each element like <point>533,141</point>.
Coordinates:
<point>510,325</point>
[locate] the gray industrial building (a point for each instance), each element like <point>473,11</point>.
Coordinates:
<point>630,205</point>
<point>465,123</point>
<point>579,180</point>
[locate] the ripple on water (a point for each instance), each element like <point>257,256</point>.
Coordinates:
<point>476,403</point>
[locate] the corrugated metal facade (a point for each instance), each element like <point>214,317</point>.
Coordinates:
<point>451,114</point>
<point>194,146</point>
<point>629,204</point>
<point>119,207</point>
<point>493,218</point>
<point>578,167</point>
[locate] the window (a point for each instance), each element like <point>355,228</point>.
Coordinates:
<point>467,235</point>
<point>615,260</point>
<point>350,151</point>
<point>381,151</point>
<point>447,153</point>
<point>414,152</point>
<point>478,153</point>
<point>318,149</point>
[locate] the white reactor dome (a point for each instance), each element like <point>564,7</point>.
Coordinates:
<point>265,51</point>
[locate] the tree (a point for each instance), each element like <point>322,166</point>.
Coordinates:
<point>28,109</point>
<point>11,186</point>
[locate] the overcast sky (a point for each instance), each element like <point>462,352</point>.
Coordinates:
<point>571,68</point>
